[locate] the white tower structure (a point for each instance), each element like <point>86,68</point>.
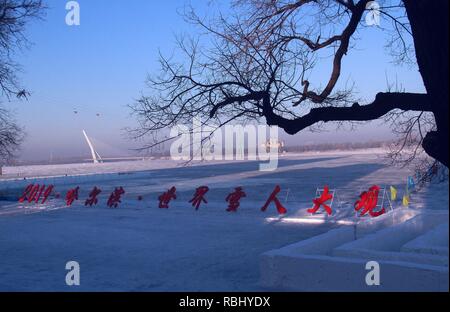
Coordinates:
<point>95,156</point>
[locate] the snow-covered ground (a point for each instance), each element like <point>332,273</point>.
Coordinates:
<point>139,247</point>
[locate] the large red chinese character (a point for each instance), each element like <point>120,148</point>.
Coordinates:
<point>114,198</point>
<point>368,201</point>
<point>166,197</point>
<point>92,200</point>
<point>234,198</point>
<point>321,201</point>
<point>199,196</point>
<point>273,198</point>
<point>34,192</point>
<point>72,195</point>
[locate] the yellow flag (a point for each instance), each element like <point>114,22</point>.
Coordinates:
<point>405,200</point>
<point>393,193</point>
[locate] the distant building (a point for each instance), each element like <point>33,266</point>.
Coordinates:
<point>274,143</point>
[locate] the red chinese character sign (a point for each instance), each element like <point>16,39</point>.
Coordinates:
<point>92,200</point>
<point>366,204</point>
<point>321,202</point>
<point>35,192</point>
<point>234,198</point>
<point>72,195</point>
<point>199,196</point>
<point>115,198</point>
<point>165,198</point>
<point>273,198</point>
<point>368,201</point>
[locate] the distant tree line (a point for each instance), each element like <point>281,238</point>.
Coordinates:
<point>348,146</point>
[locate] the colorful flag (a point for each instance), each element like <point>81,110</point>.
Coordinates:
<point>393,193</point>
<point>405,200</point>
<point>410,185</point>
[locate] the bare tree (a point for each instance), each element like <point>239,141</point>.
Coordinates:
<point>257,63</point>
<point>11,135</point>
<point>14,17</point>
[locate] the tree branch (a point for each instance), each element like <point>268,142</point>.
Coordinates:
<point>384,103</point>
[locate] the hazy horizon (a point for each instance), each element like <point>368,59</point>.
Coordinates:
<point>83,77</point>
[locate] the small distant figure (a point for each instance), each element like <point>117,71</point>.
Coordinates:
<point>92,200</point>
<point>166,197</point>
<point>273,198</point>
<point>72,195</point>
<point>115,197</point>
<point>321,201</point>
<point>199,196</point>
<point>234,198</point>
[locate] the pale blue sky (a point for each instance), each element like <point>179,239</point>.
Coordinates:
<point>101,65</point>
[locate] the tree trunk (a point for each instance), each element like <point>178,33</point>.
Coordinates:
<point>430,27</point>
